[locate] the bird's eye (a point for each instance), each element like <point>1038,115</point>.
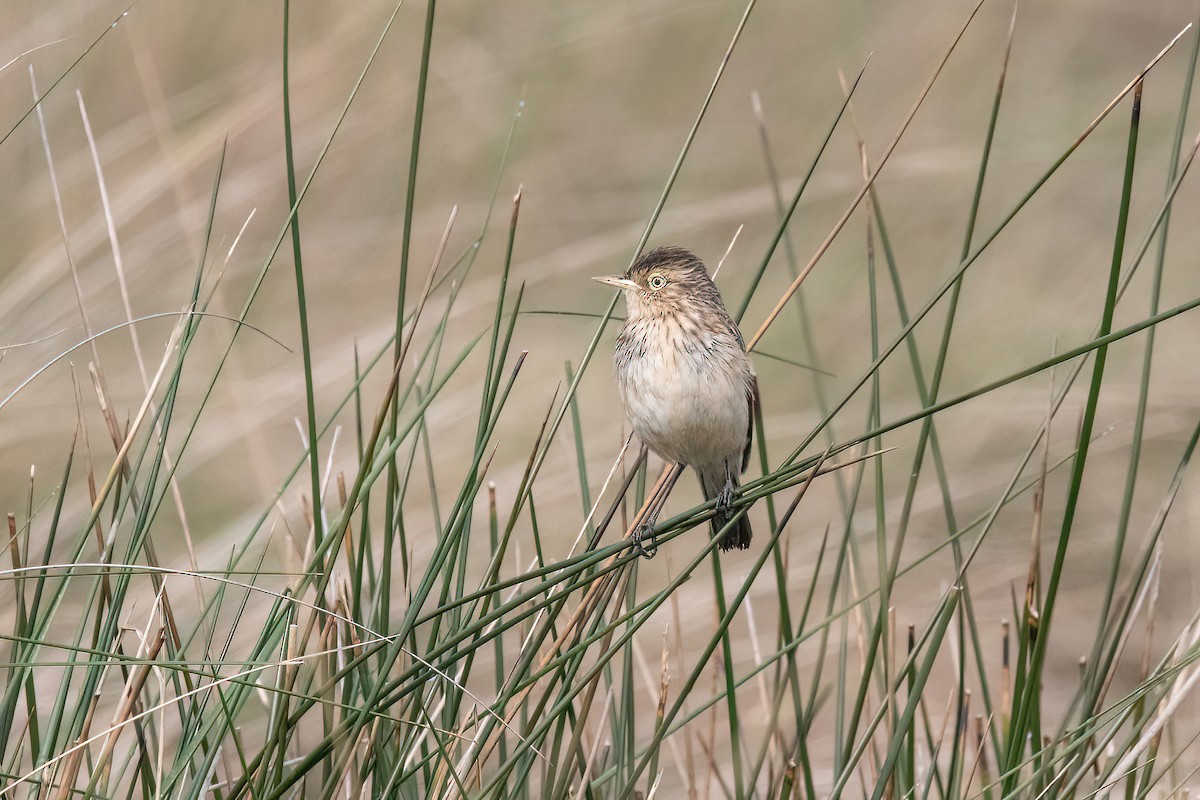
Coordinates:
<point>657,282</point>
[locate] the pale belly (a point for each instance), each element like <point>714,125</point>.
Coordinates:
<point>693,409</point>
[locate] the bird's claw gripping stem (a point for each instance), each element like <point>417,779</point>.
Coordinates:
<point>644,532</point>
<point>724,504</point>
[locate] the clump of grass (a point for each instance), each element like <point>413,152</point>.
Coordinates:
<point>480,657</point>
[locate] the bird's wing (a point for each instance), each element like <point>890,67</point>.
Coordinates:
<point>752,401</point>
<point>752,397</point>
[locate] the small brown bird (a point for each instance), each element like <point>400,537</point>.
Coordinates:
<point>684,377</point>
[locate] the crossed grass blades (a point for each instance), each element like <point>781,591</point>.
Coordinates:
<point>492,663</point>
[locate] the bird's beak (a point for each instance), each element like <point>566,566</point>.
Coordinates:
<point>617,281</point>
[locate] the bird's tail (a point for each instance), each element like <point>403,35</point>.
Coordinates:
<point>719,486</point>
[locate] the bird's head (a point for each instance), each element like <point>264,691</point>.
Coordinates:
<point>665,281</point>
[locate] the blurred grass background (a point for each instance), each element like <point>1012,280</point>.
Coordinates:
<point>608,92</point>
<point>605,94</point>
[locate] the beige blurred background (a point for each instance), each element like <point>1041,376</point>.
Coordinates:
<point>607,93</point>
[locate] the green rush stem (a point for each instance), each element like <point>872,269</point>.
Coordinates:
<point>472,257</point>
<point>905,724</point>
<point>314,458</point>
<point>207,392</point>
<point>651,606</point>
<point>1027,700</point>
<point>827,242</point>
<point>788,673</point>
<point>785,216</point>
<point>590,350</point>
<point>720,635</point>
<point>395,643</point>
<point>735,733</point>
<point>1095,676</point>
<point>568,668</point>
<point>1116,716</point>
<point>162,412</point>
<point>488,723</point>
<point>928,434</point>
<point>1011,492</point>
<point>965,264</point>
<point>441,553</point>
<point>1148,555</point>
<point>933,636</point>
<point>390,511</point>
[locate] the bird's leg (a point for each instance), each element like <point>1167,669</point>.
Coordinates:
<point>654,505</point>
<point>724,499</point>
<point>724,507</point>
<point>644,531</point>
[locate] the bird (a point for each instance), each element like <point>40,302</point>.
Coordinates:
<point>685,379</point>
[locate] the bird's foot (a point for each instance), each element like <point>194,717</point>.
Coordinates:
<point>643,538</point>
<point>724,504</point>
